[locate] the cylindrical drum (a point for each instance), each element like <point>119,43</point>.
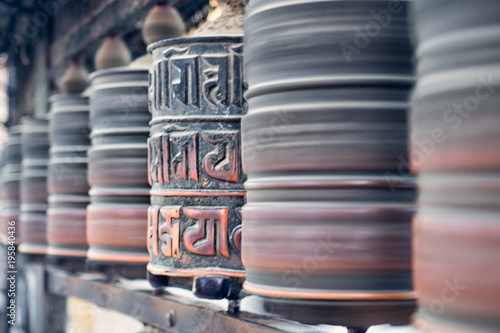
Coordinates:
<point>196,99</point>
<point>455,135</point>
<point>67,179</point>
<point>117,215</point>
<point>329,202</point>
<point>35,147</point>
<point>11,177</point>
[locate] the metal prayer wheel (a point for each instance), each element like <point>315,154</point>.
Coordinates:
<point>194,222</point>
<point>35,150</point>
<point>11,177</point>
<point>455,151</point>
<point>117,170</point>
<point>67,176</point>
<point>327,224</point>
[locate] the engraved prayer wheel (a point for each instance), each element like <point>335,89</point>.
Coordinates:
<point>67,176</point>
<point>35,150</point>
<point>455,150</point>
<point>11,177</point>
<point>327,224</point>
<point>194,222</point>
<point>117,170</point>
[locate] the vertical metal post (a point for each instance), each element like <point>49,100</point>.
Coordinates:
<point>34,274</point>
<point>46,311</point>
<point>55,313</point>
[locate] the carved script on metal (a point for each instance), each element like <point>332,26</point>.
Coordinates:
<point>204,231</point>
<point>175,156</point>
<point>191,79</point>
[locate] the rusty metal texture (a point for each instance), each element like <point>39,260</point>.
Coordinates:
<point>117,170</point>
<point>196,99</point>
<point>67,177</point>
<point>454,149</point>
<point>326,219</point>
<point>33,218</point>
<point>11,177</point>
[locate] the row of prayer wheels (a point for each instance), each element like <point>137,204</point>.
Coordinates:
<point>277,162</point>
<point>455,150</point>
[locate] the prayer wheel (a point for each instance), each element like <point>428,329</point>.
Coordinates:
<point>455,150</point>
<point>117,170</point>
<point>35,150</point>
<point>118,158</point>
<point>327,224</point>
<point>194,222</point>
<point>11,177</point>
<point>67,178</point>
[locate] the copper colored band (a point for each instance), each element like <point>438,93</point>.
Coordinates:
<point>63,252</point>
<point>96,255</point>
<point>194,118</point>
<point>193,272</point>
<point>111,191</point>
<point>33,249</point>
<point>325,181</point>
<point>328,295</point>
<point>185,193</point>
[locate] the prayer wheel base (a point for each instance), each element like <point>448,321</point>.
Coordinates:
<point>217,287</point>
<point>352,314</point>
<point>67,264</point>
<point>209,287</point>
<point>32,258</point>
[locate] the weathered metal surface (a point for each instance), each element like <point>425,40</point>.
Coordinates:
<point>11,177</point>
<point>455,151</point>
<point>35,149</point>
<point>326,125</point>
<point>67,179</point>
<point>117,215</point>
<point>196,99</point>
